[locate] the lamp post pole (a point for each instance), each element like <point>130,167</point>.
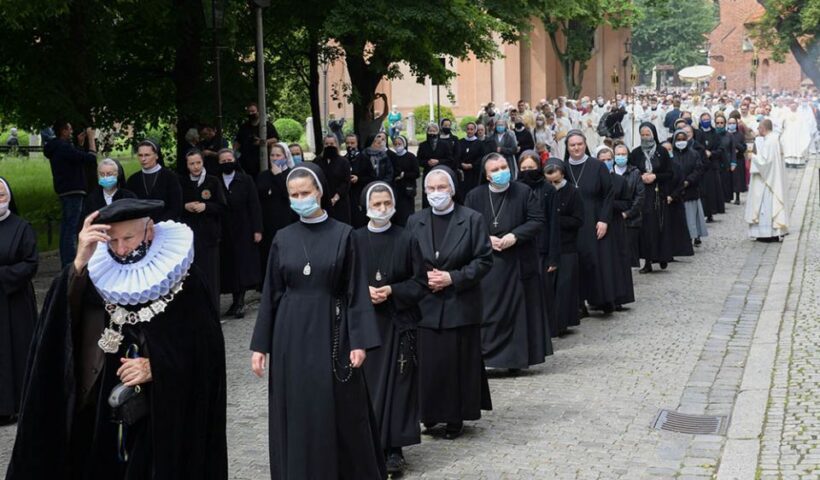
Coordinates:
<point>260,86</point>
<point>218,66</point>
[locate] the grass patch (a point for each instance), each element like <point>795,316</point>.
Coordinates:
<point>31,182</point>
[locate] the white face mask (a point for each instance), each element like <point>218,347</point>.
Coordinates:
<point>681,144</point>
<point>4,207</point>
<point>438,200</point>
<point>380,218</point>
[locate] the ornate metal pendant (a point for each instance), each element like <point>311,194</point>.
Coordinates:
<point>306,270</point>
<point>378,276</point>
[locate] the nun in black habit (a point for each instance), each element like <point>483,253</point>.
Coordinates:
<point>110,186</point>
<point>406,171</point>
<point>434,152</point>
<point>471,151</point>
<point>337,171</point>
<point>454,244</point>
<point>18,308</point>
<point>361,174</point>
<point>593,181</point>
<point>548,240</point>
<point>569,206</point>
<point>204,204</point>
<point>711,189</point>
<point>273,198</point>
<point>396,286</point>
<point>241,234</point>
<point>657,175</point>
<point>316,323</point>
<point>156,182</point>
<point>514,331</point>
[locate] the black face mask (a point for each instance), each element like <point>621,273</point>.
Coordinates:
<point>351,152</point>
<point>531,177</point>
<point>227,168</point>
<point>432,138</point>
<point>253,116</point>
<point>136,255</point>
<point>446,130</point>
<point>330,152</point>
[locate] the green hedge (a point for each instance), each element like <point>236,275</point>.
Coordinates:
<point>289,130</point>
<point>22,136</point>
<point>422,114</point>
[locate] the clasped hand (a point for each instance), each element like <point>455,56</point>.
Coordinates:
<point>135,371</point>
<point>379,294</point>
<point>503,243</point>
<point>438,280</point>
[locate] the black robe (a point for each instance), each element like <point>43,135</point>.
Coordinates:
<point>471,153</point>
<point>728,152</point>
<point>710,189</point>
<point>361,167</point>
<point>406,171</point>
<point>163,185</point>
<point>239,255</point>
<point>391,371</point>
<point>337,173</point>
<point>514,327</point>
<point>183,435</point>
<point>18,308</point>
<point>634,214</point>
<point>739,173</point>
<point>524,139</point>
<point>443,152</point>
<point>320,427</point>
<point>569,207</point>
<point>207,226</point>
<point>655,222</point>
<point>274,203</point>
<point>594,184</point>
<point>622,202</point>
<point>452,383</point>
<point>676,236</point>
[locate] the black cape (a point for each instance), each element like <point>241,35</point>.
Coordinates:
<point>239,255</point>
<point>184,433</point>
<point>514,332</point>
<point>319,426</point>
<point>18,309</point>
<point>392,370</point>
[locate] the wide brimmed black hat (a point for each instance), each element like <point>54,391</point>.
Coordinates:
<point>128,209</point>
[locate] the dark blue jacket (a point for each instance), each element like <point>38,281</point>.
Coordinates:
<point>67,166</point>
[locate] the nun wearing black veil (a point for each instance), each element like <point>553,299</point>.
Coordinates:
<point>314,328</point>
<point>18,309</point>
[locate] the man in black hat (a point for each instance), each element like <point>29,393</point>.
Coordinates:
<point>126,379</point>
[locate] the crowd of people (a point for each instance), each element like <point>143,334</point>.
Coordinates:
<point>376,319</point>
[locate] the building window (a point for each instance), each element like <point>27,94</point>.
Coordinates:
<point>747,45</point>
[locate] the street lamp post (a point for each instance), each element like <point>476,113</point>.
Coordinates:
<point>325,67</point>
<point>628,52</point>
<point>755,63</point>
<point>260,84</point>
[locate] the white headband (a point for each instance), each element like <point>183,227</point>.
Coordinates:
<point>312,173</point>
<point>441,172</point>
<point>379,184</point>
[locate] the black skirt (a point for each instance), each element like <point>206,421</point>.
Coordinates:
<point>567,297</point>
<point>452,383</point>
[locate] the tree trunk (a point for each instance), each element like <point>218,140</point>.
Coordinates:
<point>807,61</point>
<point>187,72</point>
<point>313,90</point>
<point>364,81</point>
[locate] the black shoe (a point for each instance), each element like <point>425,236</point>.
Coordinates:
<point>737,201</point>
<point>453,430</point>
<point>395,463</point>
<point>698,242</point>
<point>621,308</point>
<point>513,371</point>
<point>240,312</point>
<point>709,219</point>
<point>647,268</point>
<point>664,265</point>
<point>231,310</point>
<point>583,312</point>
<point>428,428</point>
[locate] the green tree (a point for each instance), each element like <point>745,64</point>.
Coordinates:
<point>672,32</point>
<point>571,27</point>
<point>377,38</point>
<point>792,26</point>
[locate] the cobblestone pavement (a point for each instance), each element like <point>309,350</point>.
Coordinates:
<point>790,446</point>
<point>586,412</point>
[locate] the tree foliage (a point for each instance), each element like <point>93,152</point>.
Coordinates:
<point>791,26</point>
<point>571,27</point>
<point>672,32</point>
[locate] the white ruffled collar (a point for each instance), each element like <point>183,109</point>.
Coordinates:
<point>165,265</point>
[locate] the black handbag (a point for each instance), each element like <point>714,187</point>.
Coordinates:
<point>128,404</point>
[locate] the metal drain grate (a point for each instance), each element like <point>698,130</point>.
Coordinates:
<point>695,424</point>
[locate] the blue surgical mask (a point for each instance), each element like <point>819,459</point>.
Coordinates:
<point>731,128</point>
<point>706,124</point>
<point>501,177</point>
<point>107,182</point>
<point>304,207</point>
<point>281,163</point>
<point>500,128</point>
<point>759,118</point>
<point>620,160</point>
<point>297,159</point>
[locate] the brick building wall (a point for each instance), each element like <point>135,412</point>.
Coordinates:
<point>731,53</point>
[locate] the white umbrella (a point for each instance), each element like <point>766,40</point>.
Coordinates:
<point>697,72</point>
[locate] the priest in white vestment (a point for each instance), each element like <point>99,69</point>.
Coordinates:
<point>766,210</point>
<point>798,129</point>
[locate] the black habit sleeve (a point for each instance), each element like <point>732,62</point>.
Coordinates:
<point>272,291</point>
<point>173,197</point>
<point>407,293</point>
<point>534,221</point>
<point>471,274</point>
<point>553,230</point>
<point>254,208</point>
<point>637,196</point>
<point>605,212</point>
<point>17,276</point>
<point>361,318</point>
